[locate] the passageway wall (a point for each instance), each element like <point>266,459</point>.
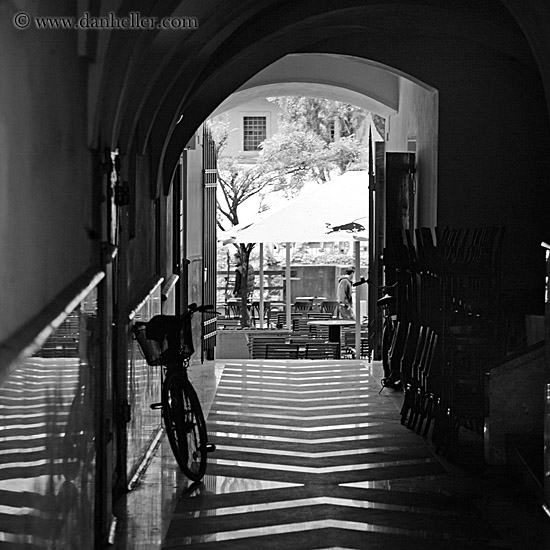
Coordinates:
<point>45,169</point>
<point>418,120</point>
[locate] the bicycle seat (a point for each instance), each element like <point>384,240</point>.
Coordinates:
<point>385,300</point>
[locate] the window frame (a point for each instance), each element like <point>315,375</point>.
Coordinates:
<point>254,114</point>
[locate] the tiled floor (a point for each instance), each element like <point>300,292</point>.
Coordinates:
<point>310,455</point>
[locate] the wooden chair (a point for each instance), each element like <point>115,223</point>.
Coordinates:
<point>329,306</point>
<point>319,332</point>
<point>235,309</point>
<point>397,349</point>
<point>256,311</point>
<point>417,402</point>
<point>272,317</point>
<point>300,326</point>
<point>282,351</point>
<point>348,350</point>
<point>64,340</point>
<point>300,340</point>
<point>409,374</point>
<point>347,343</point>
<point>429,398</point>
<point>281,319</point>
<point>257,345</point>
<point>323,350</point>
<point>301,306</point>
<point>225,324</point>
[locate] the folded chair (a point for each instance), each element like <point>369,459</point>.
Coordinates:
<point>323,350</point>
<point>282,351</point>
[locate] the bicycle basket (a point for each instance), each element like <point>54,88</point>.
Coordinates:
<point>150,349</point>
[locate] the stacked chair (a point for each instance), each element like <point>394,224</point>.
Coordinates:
<point>301,306</point>
<point>329,306</point>
<point>449,326</point>
<point>348,344</point>
<point>258,344</point>
<point>64,341</point>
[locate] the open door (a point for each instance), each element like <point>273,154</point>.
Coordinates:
<point>399,195</point>
<point>546,472</point>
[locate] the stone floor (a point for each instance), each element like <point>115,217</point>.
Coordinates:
<point>311,455</point>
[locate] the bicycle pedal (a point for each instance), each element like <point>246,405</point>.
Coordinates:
<point>155,406</point>
<point>210,448</point>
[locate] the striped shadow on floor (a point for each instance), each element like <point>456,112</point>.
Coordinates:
<point>310,455</point>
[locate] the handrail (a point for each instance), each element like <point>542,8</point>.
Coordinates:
<point>152,286</point>
<point>169,285</point>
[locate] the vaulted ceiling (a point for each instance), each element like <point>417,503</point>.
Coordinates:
<point>143,83</point>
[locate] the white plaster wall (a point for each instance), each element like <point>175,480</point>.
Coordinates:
<point>45,191</point>
<point>256,107</point>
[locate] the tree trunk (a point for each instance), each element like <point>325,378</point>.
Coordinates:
<point>244,253</point>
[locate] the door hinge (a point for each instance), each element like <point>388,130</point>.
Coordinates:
<point>122,194</point>
<point>126,411</point>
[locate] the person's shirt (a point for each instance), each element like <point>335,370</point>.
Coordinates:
<point>343,293</point>
<point>238,280</point>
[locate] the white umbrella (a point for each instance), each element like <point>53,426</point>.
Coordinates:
<point>333,212</point>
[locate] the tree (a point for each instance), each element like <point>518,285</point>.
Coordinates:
<point>329,119</point>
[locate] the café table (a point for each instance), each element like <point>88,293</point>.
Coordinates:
<point>334,326</point>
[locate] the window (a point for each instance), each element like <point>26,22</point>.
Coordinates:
<point>332,130</point>
<point>254,132</point>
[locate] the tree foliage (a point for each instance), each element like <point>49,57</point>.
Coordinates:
<point>324,117</point>
<point>316,138</point>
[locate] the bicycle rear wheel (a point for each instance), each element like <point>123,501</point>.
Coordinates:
<point>185,425</point>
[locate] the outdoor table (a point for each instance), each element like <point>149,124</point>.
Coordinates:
<point>334,326</point>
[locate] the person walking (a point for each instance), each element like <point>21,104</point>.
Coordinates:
<point>344,295</point>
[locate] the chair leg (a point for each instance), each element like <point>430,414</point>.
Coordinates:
<point>431,412</point>
<point>438,432</point>
<point>417,401</point>
<point>448,432</point>
<point>422,413</point>
<point>406,407</point>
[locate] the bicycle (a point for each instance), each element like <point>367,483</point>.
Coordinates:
<point>167,340</point>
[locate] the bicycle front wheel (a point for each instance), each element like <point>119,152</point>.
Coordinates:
<point>185,425</point>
